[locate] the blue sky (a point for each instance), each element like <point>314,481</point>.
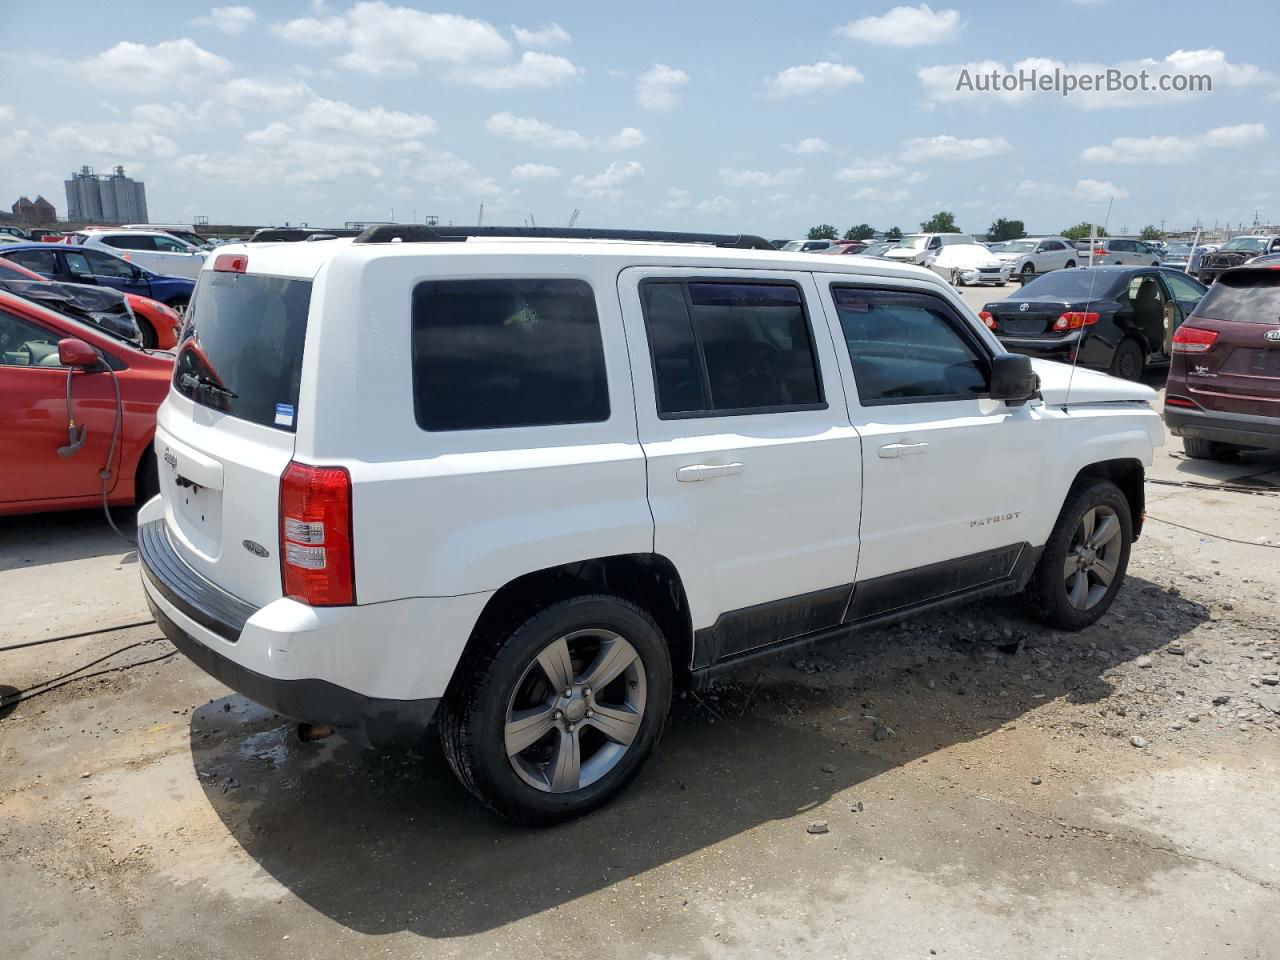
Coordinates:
<point>763,117</point>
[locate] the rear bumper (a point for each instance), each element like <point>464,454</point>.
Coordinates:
<point>312,665</point>
<point>1238,428</point>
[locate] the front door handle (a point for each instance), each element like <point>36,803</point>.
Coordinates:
<point>891,450</point>
<point>707,471</point>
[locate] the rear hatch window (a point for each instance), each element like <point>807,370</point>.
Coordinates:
<point>1250,295</point>
<point>241,349</point>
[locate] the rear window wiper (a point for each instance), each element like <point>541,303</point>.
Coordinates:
<point>194,381</point>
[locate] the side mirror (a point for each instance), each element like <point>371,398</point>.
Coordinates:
<point>1013,380</point>
<point>74,352</point>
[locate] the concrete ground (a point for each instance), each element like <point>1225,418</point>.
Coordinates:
<point>1108,794</point>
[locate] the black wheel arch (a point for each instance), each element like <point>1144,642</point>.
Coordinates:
<point>648,580</point>
<point>1126,473</point>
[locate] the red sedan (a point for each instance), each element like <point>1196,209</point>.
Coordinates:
<point>55,450</point>
<point>159,322</point>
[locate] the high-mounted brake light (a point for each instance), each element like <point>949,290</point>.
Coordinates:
<point>986,317</point>
<point>1193,339</point>
<point>316,560</point>
<point>1075,319</point>
<point>231,263</point>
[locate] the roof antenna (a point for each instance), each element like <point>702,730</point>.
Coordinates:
<point>1093,279</point>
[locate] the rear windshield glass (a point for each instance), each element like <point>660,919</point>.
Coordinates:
<point>1252,295</point>
<point>241,350</point>
<point>1074,285</point>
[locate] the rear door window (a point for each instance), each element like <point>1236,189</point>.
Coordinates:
<point>41,261</point>
<point>908,347</point>
<point>506,353</point>
<point>1250,295</point>
<point>241,351</point>
<point>125,242</point>
<point>730,347</point>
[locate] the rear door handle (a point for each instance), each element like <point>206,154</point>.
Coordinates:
<point>891,450</point>
<point>707,471</point>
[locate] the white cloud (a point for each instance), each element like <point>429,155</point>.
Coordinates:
<point>946,147</point>
<point>532,70</point>
<point>628,138</point>
<point>6,112</point>
<point>660,87</point>
<point>230,20</point>
<point>337,116</point>
<point>715,204</point>
<point>1174,149</point>
<point>1096,191</point>
<point>1028,188</point>
<point>807,146</point>
<point>165,66</point>
<point>534,171</point>
<point>871,170</point>
<point>383,39</point>
<point>940,81</point>
<point>877,195</point>
<point>607,185</point>
<point>113,142</point>
<point>180,116</point>
<point>531,130</point>
<point>548,35</point>
<point>821,77</point>
<point>759,178</point>
<point>249,93</point>
<point>906,27</point>
<point>677,199</point>
<point>441,168</point>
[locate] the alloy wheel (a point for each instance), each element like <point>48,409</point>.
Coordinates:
<point>1093,557</point>
<point>575,711</point>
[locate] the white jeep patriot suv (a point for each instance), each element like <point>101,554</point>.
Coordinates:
<point>525,480</point>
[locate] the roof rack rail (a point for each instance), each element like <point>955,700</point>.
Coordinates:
<point>417,233</point>
<point>295,234</point>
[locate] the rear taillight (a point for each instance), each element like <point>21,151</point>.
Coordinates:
<point>1174,401</point>
<point>316,562</point>
<point>986,317</point>
<point>231,263</point>
<point>1193,340</point>
<point>1099,251</point>
<point>1075,319</point>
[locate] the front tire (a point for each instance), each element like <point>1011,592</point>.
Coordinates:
<point>1084,562</point>
<point>1028,272</point>
<point>148,332</point>
<point>1070,265</point>
<point>554,718</point>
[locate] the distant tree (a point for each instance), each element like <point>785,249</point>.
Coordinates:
<point>1004,229</point>
<point>893,233</point>
<point>941,222</point>
<point>1081,231</point>
<point>863,231</point>
<point>1149,232</point>
<point>823,231</point>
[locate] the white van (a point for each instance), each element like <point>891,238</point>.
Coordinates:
<point>522,481</point>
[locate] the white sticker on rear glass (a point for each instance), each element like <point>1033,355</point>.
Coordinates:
<point>284,414</point>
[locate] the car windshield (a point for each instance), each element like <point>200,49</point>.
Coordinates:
<point>1020,246</point>
<point>793,245</point>
<point>1179,249</point>
<point>1247,244</point>
<point>1075,285</point>
<point>915,241</point>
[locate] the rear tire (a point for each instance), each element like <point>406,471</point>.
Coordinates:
<point>522,746</point>
<point>1070,265</point>
<point>1198,449</point>
<point>1128,362</point>
<point>148,332</point>
<point>1084,562</point>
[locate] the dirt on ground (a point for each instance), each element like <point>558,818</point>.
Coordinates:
<point>967,784</point>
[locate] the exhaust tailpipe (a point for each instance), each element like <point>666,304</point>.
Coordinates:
<point>311,732</point>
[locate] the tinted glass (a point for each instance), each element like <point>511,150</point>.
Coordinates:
<point>907,347</point>
<point>755,345</point>
<point>105,265</point>
<point>506,353</point>
<point>1252,295</point>
<point>41,261</point>
<point>1075,285</point>
<point>77,264</point>
<point>677,365</point>
<point>1184,288</point>
<point>244,336</point>
<point>23,344</point>
<point>126,242</point>
<point>169,246</point>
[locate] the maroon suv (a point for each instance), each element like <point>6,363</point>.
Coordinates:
<point>1224,379</point>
